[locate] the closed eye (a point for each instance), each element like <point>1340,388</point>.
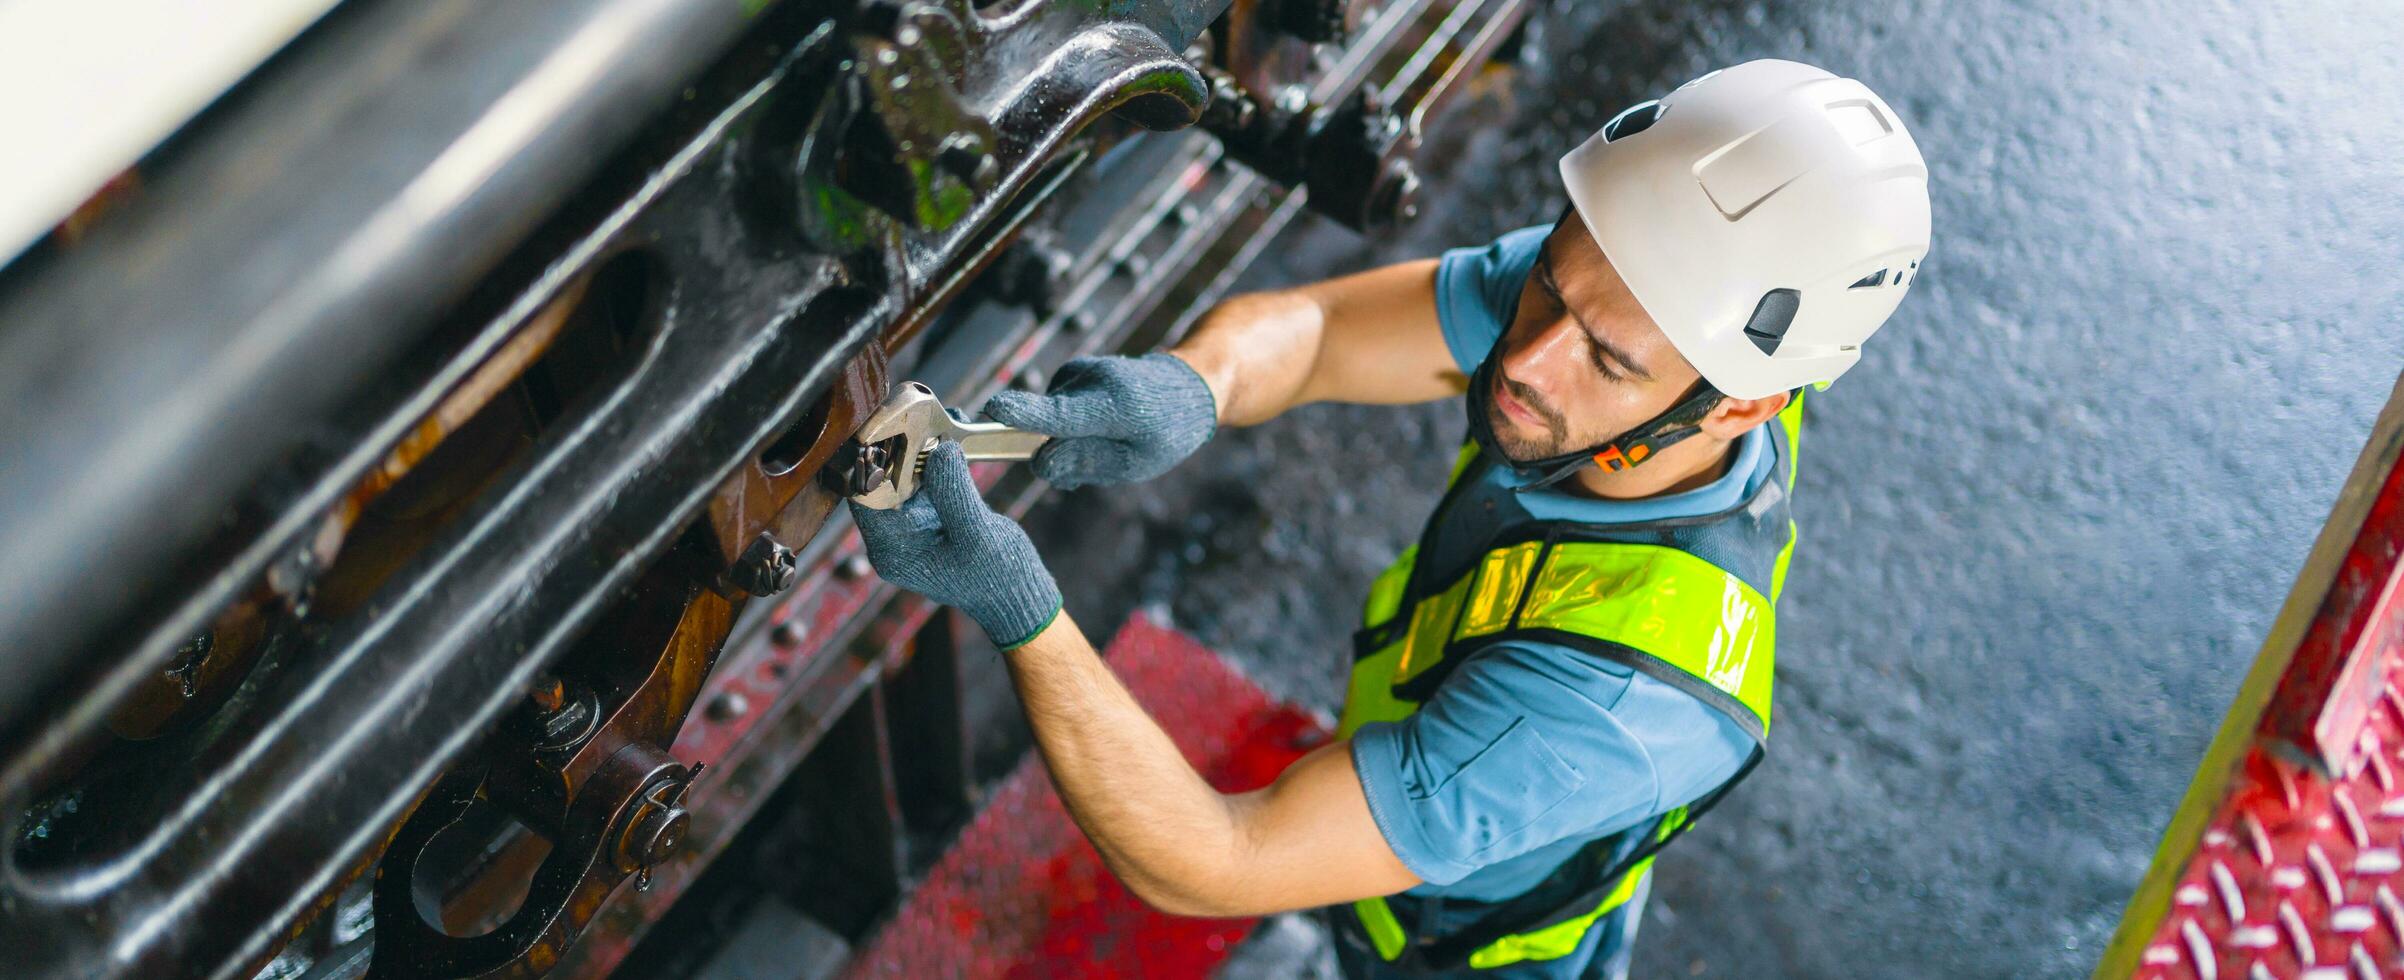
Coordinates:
<point>1595,349</point>
<point>1594,352</point>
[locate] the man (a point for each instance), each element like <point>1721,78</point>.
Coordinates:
<point>1576,658</point>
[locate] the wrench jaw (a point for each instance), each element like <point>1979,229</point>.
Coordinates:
<point>898,470</point>
<point>893,443</point>
<point>883,468</point>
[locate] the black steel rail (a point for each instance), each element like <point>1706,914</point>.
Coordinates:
<point>274,261</point>
<point>285,807</point>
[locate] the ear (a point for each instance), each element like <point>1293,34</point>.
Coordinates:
<point>1733,417</point>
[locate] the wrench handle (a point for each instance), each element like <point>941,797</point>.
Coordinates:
<point>981,441</point>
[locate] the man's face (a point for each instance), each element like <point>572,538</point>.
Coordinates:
<point>1581,363</point>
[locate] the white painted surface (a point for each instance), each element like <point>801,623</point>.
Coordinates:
<point>88,86</point>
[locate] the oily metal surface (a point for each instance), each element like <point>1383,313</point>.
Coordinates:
<point>2046,521</point>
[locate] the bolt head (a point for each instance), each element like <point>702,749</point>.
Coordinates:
<point>766,567</point>
<point>1397,194</point>
<point>659,836</point>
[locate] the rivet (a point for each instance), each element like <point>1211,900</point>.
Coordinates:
<point>790,632</point>
<point>729,706</point>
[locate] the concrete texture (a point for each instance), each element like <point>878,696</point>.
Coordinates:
<point>2045,523</point>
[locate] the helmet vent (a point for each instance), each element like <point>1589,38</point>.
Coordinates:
<point>1772,316</point>
<point>1859,122</point>
<point>1877,278</point>
<point>1632,120</point>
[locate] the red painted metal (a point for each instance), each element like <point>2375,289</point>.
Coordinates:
<point>1023,895</point>
<point>2287,858</point>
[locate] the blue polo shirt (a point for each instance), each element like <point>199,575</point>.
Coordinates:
<point>1530,750</point>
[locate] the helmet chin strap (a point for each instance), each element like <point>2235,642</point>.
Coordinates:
<point>1640,442</point>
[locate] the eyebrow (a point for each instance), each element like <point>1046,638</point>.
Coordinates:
<point>1544,279</point>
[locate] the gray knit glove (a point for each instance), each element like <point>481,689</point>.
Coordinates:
<point>945,544</point>
<point>1113,419</point>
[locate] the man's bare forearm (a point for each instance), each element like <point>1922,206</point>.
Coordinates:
<point>1159,827</point>
<point>1369,338</point>
<point>1306,839</point>
<point>1257,352</point>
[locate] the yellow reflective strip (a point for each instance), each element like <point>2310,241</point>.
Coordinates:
<point>1627,887</point>
<point>1785,554</point>
<point>1385,932</point>
<point>1385,594</point>
<point>1431,622</point>
<point>1791,418</point>
<point>1666,603</point>
<point>1561,939</point>
<point>1501,575</point>
<point>1669,823</point>
<point>1369,693</point>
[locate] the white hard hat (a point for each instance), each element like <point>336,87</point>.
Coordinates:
<point>1768,216</point>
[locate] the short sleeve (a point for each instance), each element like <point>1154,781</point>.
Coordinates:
<point>1477,291</point>
<point>1517,750</point>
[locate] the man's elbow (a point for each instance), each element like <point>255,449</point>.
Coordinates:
<point>1198,900</point>
<point>1169,898</point>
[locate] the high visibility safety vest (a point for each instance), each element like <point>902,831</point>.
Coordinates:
<point>1688,601</point>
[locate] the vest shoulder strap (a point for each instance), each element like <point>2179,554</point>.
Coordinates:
<point>1754,725</point>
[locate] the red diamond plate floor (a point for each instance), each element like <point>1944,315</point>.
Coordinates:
<point>2298,875</point>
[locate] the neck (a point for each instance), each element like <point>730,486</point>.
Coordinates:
<point>1690,464</point>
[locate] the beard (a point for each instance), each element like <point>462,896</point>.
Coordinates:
<point>1521,448</point>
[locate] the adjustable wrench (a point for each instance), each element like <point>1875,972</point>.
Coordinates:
<point>880,467</point>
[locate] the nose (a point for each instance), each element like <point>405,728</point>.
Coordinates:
<point>1539,361</point>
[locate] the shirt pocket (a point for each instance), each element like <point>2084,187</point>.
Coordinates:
<point>1503,790</point>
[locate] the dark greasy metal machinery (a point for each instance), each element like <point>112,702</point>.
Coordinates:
<point>416,558</point>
